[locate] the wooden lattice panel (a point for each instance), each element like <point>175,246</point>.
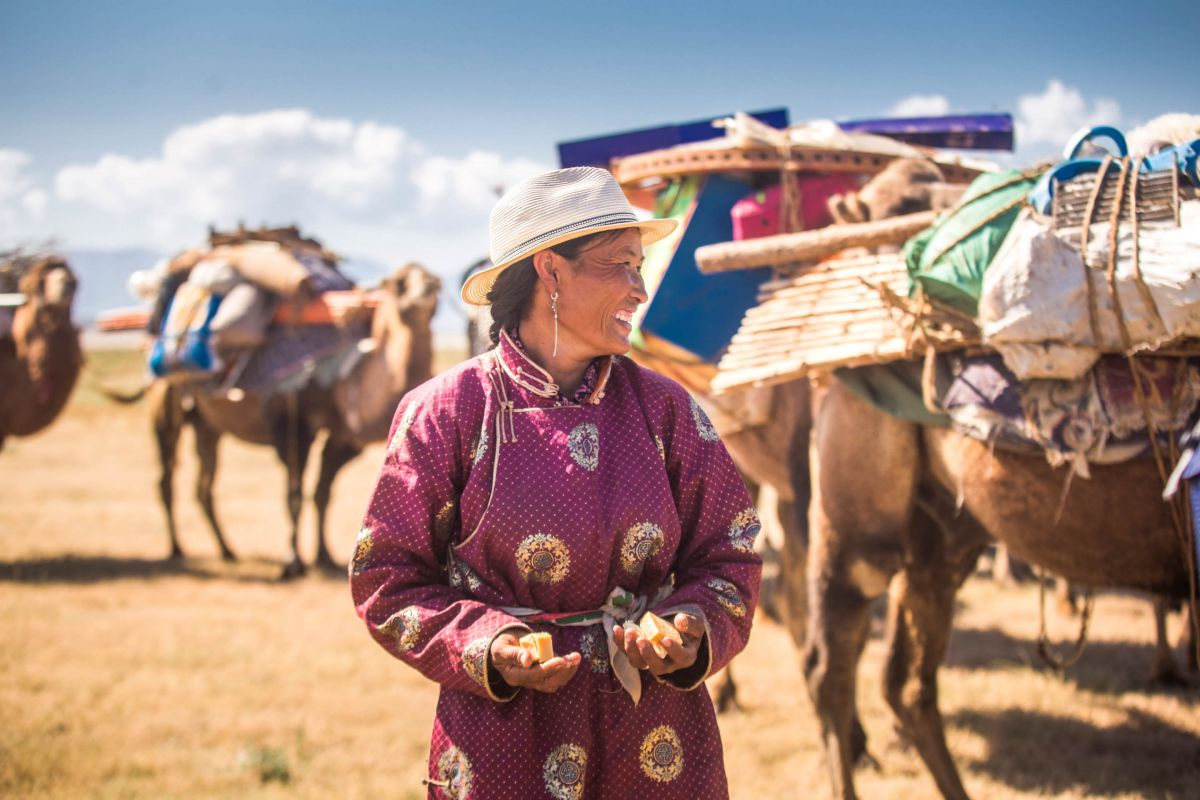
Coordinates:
<point>830,316</point>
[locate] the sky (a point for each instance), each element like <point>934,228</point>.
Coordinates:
<point>383,128</point>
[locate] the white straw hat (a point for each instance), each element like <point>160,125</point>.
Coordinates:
<point>550,209</point>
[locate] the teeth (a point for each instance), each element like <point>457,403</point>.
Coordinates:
<point>624,316</point>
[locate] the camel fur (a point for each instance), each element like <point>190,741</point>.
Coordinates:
<point>40,362</point>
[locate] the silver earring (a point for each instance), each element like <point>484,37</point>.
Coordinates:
<point>554,308</point>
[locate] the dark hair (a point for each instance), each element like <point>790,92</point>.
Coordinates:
<point>512,293</point>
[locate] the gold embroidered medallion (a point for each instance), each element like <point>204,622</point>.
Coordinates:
<point>474,660</point>
<point>462,577</point>
<point>402,628</point>
<point>543,558</point>
<point>642,542</point>
<point>704,427</point>
<point>481,445</point>
<point>454,768</point>
<point>564,772</point>
<point>406,422</point>
<point>662,755</point>
<point>728,596</point>
<point>743,529</point>
<point>362,551</point>
<point>594,649</point>
<point>584,443</point>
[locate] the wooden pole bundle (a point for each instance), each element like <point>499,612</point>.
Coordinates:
<point>790,248</point>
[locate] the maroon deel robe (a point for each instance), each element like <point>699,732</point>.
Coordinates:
<point>499,493</point>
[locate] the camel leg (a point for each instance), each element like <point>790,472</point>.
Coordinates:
<point>334,455</point>
<point>292,438</point>
<point>167,419</point>
<point>792,568</point>
<point>920,617</point>
<point>1188,638</point>
<point>1064,597</point>
<point>206,451</point>
<point>1164,671</point>
<point>863,487</point>
<point>837,635</point>
<point>1008,569</point>
<point>723,690</point>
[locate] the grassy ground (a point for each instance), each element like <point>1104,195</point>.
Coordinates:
<point>125,676</point>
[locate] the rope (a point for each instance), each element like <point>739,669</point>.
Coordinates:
<point>1043,646</point>
<point>1089,215</point>
<point>1143,289</point>
<point>789,203</point>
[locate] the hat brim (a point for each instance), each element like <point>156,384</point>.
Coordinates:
<point>475,290</point>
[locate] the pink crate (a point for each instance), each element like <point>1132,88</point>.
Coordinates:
<point>757,215</point>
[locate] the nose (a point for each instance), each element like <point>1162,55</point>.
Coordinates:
<point>638,289</point>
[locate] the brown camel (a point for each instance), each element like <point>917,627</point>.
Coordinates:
<point>901,507</point>
<point>40,362</point>
<point>894,500</point>
<point>356,411</point>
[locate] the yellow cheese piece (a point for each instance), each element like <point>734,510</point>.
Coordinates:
<point>539,645</point>
<point>656,630</point>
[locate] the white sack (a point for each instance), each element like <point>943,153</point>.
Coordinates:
<point>1034,308</point>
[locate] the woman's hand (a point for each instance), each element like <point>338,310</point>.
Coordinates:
<point>517,668</point>
<point>641,653</point>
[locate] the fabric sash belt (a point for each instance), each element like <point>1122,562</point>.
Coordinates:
<point>622,605</point>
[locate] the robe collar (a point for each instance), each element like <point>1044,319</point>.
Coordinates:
<point>522,370</point>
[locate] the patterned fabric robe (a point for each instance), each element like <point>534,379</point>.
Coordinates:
<point>498,492</point>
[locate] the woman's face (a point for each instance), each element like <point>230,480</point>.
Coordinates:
<point>598,294</point>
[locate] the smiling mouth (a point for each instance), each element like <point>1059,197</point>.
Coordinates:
<point>625,318</point>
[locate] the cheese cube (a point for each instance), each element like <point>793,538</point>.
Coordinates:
<point>539,645</point>
<point>656,630</point>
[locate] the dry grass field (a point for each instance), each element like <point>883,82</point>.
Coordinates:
<point>123,675</point>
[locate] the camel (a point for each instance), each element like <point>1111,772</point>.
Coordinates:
<point>356,411</point>
<point>40,362</point>
<point>907,509</point>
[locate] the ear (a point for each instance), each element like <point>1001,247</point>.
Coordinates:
<point>546,264</point>
<point>847,208</point>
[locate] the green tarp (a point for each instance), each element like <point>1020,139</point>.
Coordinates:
<point>948,260</point>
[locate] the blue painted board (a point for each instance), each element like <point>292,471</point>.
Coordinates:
<point>698,312</point>
<point>962,131</point>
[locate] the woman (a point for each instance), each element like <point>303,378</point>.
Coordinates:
<point>553,485</point>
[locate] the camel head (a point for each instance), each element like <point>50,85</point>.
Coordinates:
<point>905,186</point>
<point>50,283</point>
<point>401,326</point>
<point>413,292</point>
<point>400,352</point>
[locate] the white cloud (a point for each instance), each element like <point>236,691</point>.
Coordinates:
<point>21,202</point>
<point>921,105</point>
<point>1050,118</point>
<point>473,181</point>
<point>289,166</point>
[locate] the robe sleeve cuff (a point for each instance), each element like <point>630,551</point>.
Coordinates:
<point>692,677</point>
<point>493,683</point>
